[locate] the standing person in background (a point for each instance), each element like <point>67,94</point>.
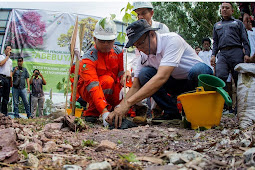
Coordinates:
<point>229,40</point>
<point>20,76</point>
<point>206,53</point>
<point>37,97</point>
<point>251,35</point>
<point>5,78</point>
<point>197,49</point>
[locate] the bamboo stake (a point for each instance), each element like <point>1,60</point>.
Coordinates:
<point>72,45</point>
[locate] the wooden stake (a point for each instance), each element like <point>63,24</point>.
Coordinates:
<point>72,46</point>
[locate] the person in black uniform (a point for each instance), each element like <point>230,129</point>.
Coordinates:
<point>229,40</point>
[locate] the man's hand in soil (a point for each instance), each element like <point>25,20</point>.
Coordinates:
<point>118,113</point>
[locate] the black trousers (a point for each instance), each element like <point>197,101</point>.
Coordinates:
<point>4,93</point>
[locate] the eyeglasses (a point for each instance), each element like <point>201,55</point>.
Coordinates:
<point>106,41</point>
<point>139,45</point>
<point>20,60</point>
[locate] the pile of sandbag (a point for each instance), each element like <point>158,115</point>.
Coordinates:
<point>246,94</point>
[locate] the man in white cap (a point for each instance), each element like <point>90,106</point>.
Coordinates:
<point>172,66</point>
<point>144,10</point>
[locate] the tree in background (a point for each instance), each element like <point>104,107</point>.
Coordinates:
<point>192,20</point>
<point>88,25</point>
<point>26,32</point>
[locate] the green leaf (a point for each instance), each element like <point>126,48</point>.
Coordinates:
<point>119,142</point>
<point>87,143</point>
<point>122,9</point>
<point>59,86</point>
<point>113,16</point>
<point>102,22</point>
<point>129,6</point>
<point>121,37</point>
<point>130,157</point>
<point>24,152</point>
<point>125,18</point>
<point>63,79</point>
<point>134,13</point>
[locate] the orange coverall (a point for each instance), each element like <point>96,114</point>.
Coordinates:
<point>99,82</point>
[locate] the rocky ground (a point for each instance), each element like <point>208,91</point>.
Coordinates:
<point>50,143</point>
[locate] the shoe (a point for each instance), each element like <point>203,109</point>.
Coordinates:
<point>141,112</point>
<point>124,125</point>
<point>30,117</point>
<point>17,116</point>
<point>166,117</point>
<point>157,112</point>
<point>91,119</point>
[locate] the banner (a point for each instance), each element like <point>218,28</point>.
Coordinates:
<point>43,38</point>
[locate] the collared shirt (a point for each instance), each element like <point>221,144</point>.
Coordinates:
<point>172,50</point>
<point>162,27</point>
<point>133,57</point>
<point>227,33</point>
<point>206,57</point>
<point>251,37</point>
<point>7,67</point>
<point>23,76</point>
<point>37,87</point>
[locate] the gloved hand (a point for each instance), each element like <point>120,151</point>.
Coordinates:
<point>104,116</point>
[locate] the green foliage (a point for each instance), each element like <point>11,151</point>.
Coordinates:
<point>66,141</point>
<point>121,37</point>
<point>63,86</point>
<point>79,122</point>
<point>24,152</point>
<point>119,141</point>
<point>113,16</point>
<point>192,20</point>
<point>102,22</point>
<point>88,24</point>
<point>87,143</point>
<point>129,17</point>
<point>130,157</point>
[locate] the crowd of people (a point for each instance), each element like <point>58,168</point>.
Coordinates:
<point>17,78</point>
<point>163,66</point>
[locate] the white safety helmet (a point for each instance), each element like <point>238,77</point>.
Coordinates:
<point>142,5</point>
<point>109,32</point>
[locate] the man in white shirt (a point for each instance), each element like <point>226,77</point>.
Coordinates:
<point>5,77</point>
<point>144,10</point>
<point>172,66</point>
<point>206,53</point>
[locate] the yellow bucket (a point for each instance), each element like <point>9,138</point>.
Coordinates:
<point>78,112</point>
<point>202,108</point>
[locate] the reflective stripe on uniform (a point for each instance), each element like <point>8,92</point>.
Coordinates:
<point>108,91</point>
<point>117,50</point>
<point>120,73</point>
<point>91,85</point>
<point>91,54</point>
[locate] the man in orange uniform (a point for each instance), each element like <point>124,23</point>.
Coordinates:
<point>101,70</point>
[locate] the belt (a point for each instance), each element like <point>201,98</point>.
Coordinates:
<point>230,47</point>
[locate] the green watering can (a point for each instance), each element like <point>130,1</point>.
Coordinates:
<point>212,83</point>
